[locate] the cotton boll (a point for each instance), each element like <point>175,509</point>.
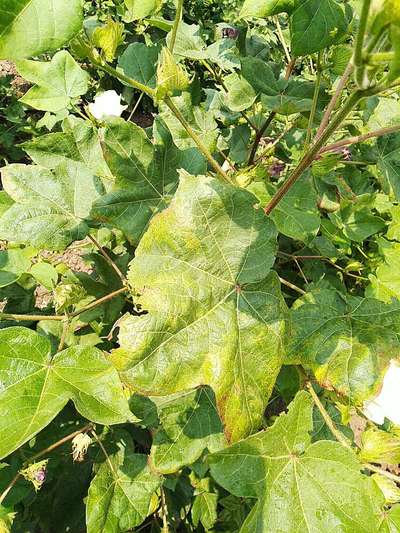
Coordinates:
<point>107,104</point>
<point>387,403</point>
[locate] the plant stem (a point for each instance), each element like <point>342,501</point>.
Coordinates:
<point>100,301</point>
<point>342,439</point>
<point>291,286</point>
<point>108,258</point>
<point>328,420</point>
<point>126,79</point>
<point>358,58</point>
<point>282,39</point>
<point>164,511</point>
<point>360,138</point>
<point>174,31</point>
<point>202,147</point>
<point>40,454</point>
<point>314,102</point>
<point>63,334</point>
<point>33,318</point>
<point>332,104</point>
<point>307,160</point>
<point>38,318</point>
<point>270,118</point>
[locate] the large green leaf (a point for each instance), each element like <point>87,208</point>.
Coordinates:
<point>140,63</point>
<point>57,83</point>
<point>146,176</point>
<point>36,386</point>
<point>315,25</point>
<point>389,162</point>
<point>51,207</point>
<point>30,27</point>
<point>122,494</point>
<point>215,312</point>
<point>347,341</point>
<point>299,486</point>
<point>78,141</point>
<point>189,425</point>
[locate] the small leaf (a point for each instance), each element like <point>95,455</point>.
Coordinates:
<point>140,9</point>
<point>57,83</point>
<point>13,263</point>
<point>35,386</point>
<point>122,494</point>
<point>204,510</point>
<point>266,8</point>
<point>31,27</point>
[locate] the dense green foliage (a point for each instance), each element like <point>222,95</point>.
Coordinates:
<point>199,284</point>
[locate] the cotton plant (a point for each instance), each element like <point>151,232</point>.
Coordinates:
<point>192,311</point>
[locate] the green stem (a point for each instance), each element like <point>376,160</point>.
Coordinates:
<point>381,57</point>
<point>270,118</point>
<point>202,147</point>
<point>38,318</point>
<point>328,420</point>
<point>174,31</point>
<point>314,102</point>
<point>126,79</point>
<point>108,259</point>
<point>314,150</point>
<point>358,59</point>
<point>342,439</point>
<point>292,286</point>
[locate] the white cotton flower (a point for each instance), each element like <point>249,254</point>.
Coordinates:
<point>107,104</point>
<point>387,403</point>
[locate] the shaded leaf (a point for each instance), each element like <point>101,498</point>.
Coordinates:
<point>189,425</point>
<point>140,63</point>
<point>315,25</point>
<point>146,176</point>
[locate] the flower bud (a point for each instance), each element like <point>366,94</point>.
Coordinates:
<point>380,447</point>
<point>80,445</point>
<point>389,488</point>
<point>36,473</point>
<point>171,76</point>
